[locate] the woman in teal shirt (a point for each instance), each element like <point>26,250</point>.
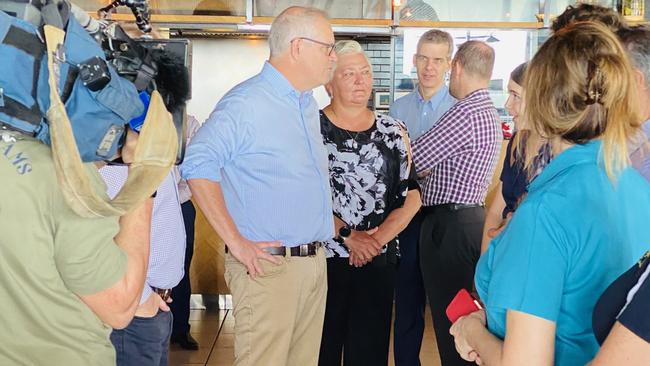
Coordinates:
<point>585,219</point>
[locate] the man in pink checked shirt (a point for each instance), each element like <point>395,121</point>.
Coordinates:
<point>458,156</point>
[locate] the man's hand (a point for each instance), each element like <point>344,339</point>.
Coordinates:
<point>149,308</point>
<point>249,253</point>
<point>363,247</point>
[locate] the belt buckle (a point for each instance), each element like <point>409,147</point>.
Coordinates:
<point>163,293</point>
<point>304,250</point>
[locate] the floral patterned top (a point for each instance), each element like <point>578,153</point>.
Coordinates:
<point>370,174</point>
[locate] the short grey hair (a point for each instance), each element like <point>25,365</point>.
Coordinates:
<point>291,23</point>
<point>436,36</point>
<point>348,47</point>
<point>637,44</point>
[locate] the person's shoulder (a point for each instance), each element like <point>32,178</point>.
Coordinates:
<point>389,120</point>
<point>241,92</point>
<point>403,101</point>
<point>390,123</point>
<point>400,104</point>
<point>236,103</point>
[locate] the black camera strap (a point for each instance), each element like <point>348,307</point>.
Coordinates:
<point>33,46</point>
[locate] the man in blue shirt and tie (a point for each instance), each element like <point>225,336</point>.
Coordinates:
<point>258,170</point>
<point>420,110</point>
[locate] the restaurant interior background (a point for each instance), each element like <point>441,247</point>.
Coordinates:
<point>228,45</point>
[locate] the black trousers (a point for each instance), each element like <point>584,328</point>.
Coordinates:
<point>182,292</point>
<point>410,298</point>
<point>450,245</point>
<point>357,314</point>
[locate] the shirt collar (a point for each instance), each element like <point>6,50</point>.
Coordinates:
<point>646,128</point>
<point>575,155</point>
<point>280,83</point>
<point>477,94</point>
<point>435,98</point>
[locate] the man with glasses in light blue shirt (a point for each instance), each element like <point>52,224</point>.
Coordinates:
<point>420,110</point>
<point>258,170</point>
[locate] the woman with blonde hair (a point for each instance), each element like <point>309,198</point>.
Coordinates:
<point>375,195</point>
<point>585,219</point>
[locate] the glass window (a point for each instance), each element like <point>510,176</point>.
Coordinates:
<point>187,7</point>
<point>557,7</point>
<point>360,9</point>
<point>512,47</point>
<point>471,10</point>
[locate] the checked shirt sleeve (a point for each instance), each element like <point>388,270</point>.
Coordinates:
<point>446,139</point>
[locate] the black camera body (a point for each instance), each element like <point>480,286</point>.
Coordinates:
<point>94,73</point>
<point>161,64</point>
<point>147,64</point>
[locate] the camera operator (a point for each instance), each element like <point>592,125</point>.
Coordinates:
<point>63,277</point>
<point>72,261</point>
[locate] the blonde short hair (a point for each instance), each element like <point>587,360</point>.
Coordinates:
<point>348,47</point>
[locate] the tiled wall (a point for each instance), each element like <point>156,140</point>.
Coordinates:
<point>379,53</point>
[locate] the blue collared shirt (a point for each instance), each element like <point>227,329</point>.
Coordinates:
<point>262,143</point>
<point>167,249</point>
<point>418,114</point>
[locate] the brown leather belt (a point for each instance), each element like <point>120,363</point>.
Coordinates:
<point>304,250</point>
<point>164,293</point>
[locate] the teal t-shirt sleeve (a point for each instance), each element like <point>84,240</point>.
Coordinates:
<point>85,251</point>
<point>530,264</point>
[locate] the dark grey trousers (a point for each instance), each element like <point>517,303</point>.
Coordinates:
<point>450,245</point>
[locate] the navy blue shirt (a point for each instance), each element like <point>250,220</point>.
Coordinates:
<point>513,179</point>
<point>627,300</point>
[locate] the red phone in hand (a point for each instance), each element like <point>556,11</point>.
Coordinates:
<point>462,304</point>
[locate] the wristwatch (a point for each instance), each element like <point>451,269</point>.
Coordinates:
<point>344,233</point>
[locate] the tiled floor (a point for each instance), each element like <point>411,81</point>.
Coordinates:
<point>213,329</point>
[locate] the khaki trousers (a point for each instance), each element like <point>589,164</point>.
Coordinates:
<point>278,316</point>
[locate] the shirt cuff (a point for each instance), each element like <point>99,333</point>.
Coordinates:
<point>204,171</point>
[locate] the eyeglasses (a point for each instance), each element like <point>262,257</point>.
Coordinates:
<point>330,46</point>
<point>422,59</point>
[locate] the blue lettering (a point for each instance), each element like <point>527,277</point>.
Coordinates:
<point>18,159</point>
<point>24,169</point>
<point>8,150</point>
